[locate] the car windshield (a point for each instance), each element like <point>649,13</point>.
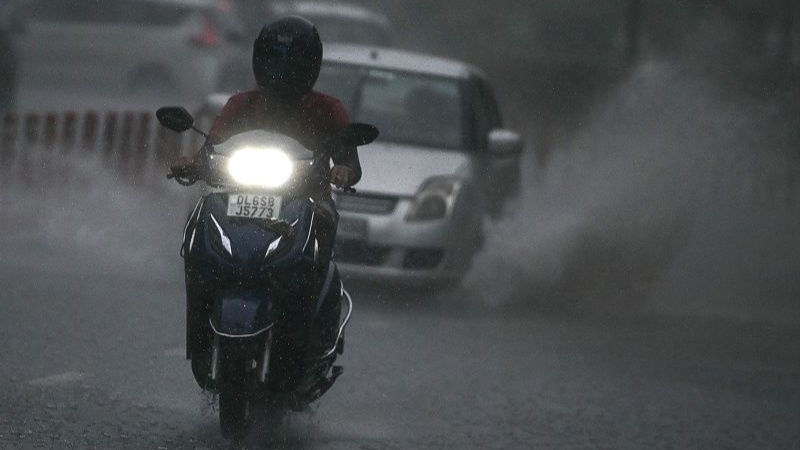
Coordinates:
<point>408,108</point>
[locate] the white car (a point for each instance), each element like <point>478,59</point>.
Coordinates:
<point>442,163</point>
<point>180,47</point>
<point>340,22</point>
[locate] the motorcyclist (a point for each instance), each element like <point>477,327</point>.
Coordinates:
<point>287,56</point>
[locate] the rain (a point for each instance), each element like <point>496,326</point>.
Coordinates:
<point>579,226</point>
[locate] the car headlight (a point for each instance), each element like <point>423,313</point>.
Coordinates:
<point>435,200</point>
<point>262,167</point>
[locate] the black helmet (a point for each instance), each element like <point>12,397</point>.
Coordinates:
<point>287,55</point>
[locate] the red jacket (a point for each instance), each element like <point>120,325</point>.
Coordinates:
<point>311,121</point>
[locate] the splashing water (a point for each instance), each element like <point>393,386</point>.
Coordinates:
<point>673,196</point>
<point>85,219</point>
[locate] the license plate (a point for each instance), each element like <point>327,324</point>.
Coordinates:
<point>254,206</point>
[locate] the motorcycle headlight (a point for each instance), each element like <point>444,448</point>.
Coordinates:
<point>262,167</point>
<point>435,200</point>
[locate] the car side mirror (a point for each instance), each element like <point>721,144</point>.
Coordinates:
<point>504,142</point>
<point>357,134</point>
<point>175,118</point>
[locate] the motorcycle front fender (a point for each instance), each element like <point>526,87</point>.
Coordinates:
<point>243,315</point>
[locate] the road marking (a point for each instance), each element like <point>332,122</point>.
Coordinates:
<point>54,380</point>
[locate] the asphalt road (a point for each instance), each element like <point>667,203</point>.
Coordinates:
<point>91,323</point>
<point>94,360</point>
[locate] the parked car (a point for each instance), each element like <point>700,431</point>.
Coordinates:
<point>181,47</point>
<point>442,163</point>
<point>340,22</point>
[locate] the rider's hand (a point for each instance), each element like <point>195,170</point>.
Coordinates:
<point>183,166</point>
<point>342,176</point>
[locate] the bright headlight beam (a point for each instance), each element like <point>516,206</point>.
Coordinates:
<point>262,167</point>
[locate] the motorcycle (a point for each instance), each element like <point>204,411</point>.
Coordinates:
<point>262,287</point>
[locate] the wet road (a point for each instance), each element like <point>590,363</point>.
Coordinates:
<point>94,360</point>
<point>91,322</point>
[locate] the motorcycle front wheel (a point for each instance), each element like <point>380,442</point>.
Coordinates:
<point>234,398</point>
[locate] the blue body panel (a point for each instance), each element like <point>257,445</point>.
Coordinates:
<point>252,270</point>
<point>243,314</point>
<point>249,239</point>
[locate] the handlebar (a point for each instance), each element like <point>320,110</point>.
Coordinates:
<point>183,181</point>
<point>202,169</point>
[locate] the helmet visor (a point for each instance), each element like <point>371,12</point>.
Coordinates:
<point>278,62</point>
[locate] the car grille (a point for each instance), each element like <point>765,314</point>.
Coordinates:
<point>423,259</point>
<point>365,204</point>
<point>361,253</point>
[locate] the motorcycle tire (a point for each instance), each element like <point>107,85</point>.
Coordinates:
<point>234,399</point>
<point>233,414</point>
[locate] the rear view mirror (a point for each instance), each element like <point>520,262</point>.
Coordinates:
<point>504,142</point>
<point>357,134</point>
<point>175,118</point>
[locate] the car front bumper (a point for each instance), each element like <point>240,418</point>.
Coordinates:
<point>386,247</point>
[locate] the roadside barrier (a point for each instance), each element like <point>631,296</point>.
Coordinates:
<point>34,147</point>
